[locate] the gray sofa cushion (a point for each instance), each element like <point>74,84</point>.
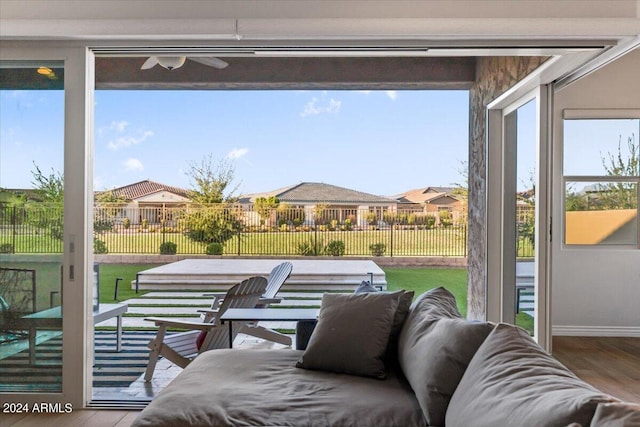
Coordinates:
<point>513,381</point>
<point>232,387</point>
<point>435,347</point>
<point>352,334</point>
<point>617,414</point>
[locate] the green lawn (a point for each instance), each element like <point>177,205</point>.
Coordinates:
<point>108,275</point>
<point>421,280</point>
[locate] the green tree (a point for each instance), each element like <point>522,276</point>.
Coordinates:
<point>213,218</point>
<point>265,206</point>
<point>49,188</point>
<point>46,212</point>
<point>620,195</point>
<point>212,183</point>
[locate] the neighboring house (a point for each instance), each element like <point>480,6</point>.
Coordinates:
<point>340,203</point>
<point>148,200</point>
<point>431,200</point>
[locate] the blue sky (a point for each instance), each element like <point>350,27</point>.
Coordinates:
<point>380,142</point>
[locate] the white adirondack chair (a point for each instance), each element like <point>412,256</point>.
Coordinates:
<point>181,348</point>
<point>276,279</point>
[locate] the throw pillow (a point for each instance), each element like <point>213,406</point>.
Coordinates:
<point>404,304</point>
<point>435,346</point>
<point>513,381</point>
<point>352,334</point>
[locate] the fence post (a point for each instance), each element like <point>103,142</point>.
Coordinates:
<point>239,238</point>
<point>15,232</point>
<point>391,242</point>
<point>315,238</point>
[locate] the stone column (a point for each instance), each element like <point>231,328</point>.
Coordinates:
<point>494,75</point>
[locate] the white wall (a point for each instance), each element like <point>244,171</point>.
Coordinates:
<point>595,291</point>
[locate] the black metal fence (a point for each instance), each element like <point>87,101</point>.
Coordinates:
<point>243,230</point>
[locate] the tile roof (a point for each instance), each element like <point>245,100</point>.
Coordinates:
<point>144,188</point>
<point>316,192</point>
<point>424,194</point>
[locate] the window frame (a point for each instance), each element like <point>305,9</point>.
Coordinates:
<point>598,114</point>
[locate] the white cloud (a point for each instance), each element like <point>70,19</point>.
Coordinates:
<point>392,94</point>
<point>236,153</point>
<point>118,126</point>
<point>316,106</point>
<point>128,140</point>
<point>132,164</point>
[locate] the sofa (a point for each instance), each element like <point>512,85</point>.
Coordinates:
<point>382,359</point>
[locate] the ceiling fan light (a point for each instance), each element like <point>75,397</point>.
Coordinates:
<point>45,71</point>
<point>171,62</point>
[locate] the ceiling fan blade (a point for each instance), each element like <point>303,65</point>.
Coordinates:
<point>210,61</point>
<point>149,63</point>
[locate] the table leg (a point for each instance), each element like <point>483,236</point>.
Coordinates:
<point>119,333</point>
<point>32,345</point>
<point>230,334</point>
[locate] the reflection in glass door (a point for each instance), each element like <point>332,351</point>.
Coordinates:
<point>525,216</point>
<point>31,225</point>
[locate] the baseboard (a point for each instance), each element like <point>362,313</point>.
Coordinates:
<point>596,331</point>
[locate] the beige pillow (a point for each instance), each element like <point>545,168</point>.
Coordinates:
<point>513,381</point>
<point>352,334</point>
<point>436,345</point>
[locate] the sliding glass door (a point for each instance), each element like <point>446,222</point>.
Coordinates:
<point>44,251</point>
<point>518,199</point>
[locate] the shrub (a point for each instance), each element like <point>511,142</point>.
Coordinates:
<point>7,248</point>
<point>99,246</point>
<point>335,248</point>
<point>145,223</point>
<point>411,219</point>
<point>168,248</point>
<point>372,218</point>
<point>378,249</point>
<point>126,223</point>
<point>446,218</point>
<point>306,249</point>
<point>214,248</point>
<point>102,225</point>
<point>390,218</point>
<point>348,224</point>
<point>284,228</point>
<point>212,224</point>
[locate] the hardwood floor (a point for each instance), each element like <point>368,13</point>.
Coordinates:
<point>610,364</point>
<point>85,417</point>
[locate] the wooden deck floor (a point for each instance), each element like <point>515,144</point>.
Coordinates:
<point>610,364</point>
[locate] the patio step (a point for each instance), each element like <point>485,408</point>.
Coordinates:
<point>153,304</point>
<point>221,274</point>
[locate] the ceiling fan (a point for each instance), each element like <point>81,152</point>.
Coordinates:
<point>173,62</point>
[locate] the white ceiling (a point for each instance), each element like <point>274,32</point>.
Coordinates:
<point>318,19</point>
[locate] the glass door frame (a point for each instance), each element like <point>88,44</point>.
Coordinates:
<point>501,218</point>
<point>77,259</point>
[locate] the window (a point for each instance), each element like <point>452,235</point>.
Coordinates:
<point>601,174</point>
